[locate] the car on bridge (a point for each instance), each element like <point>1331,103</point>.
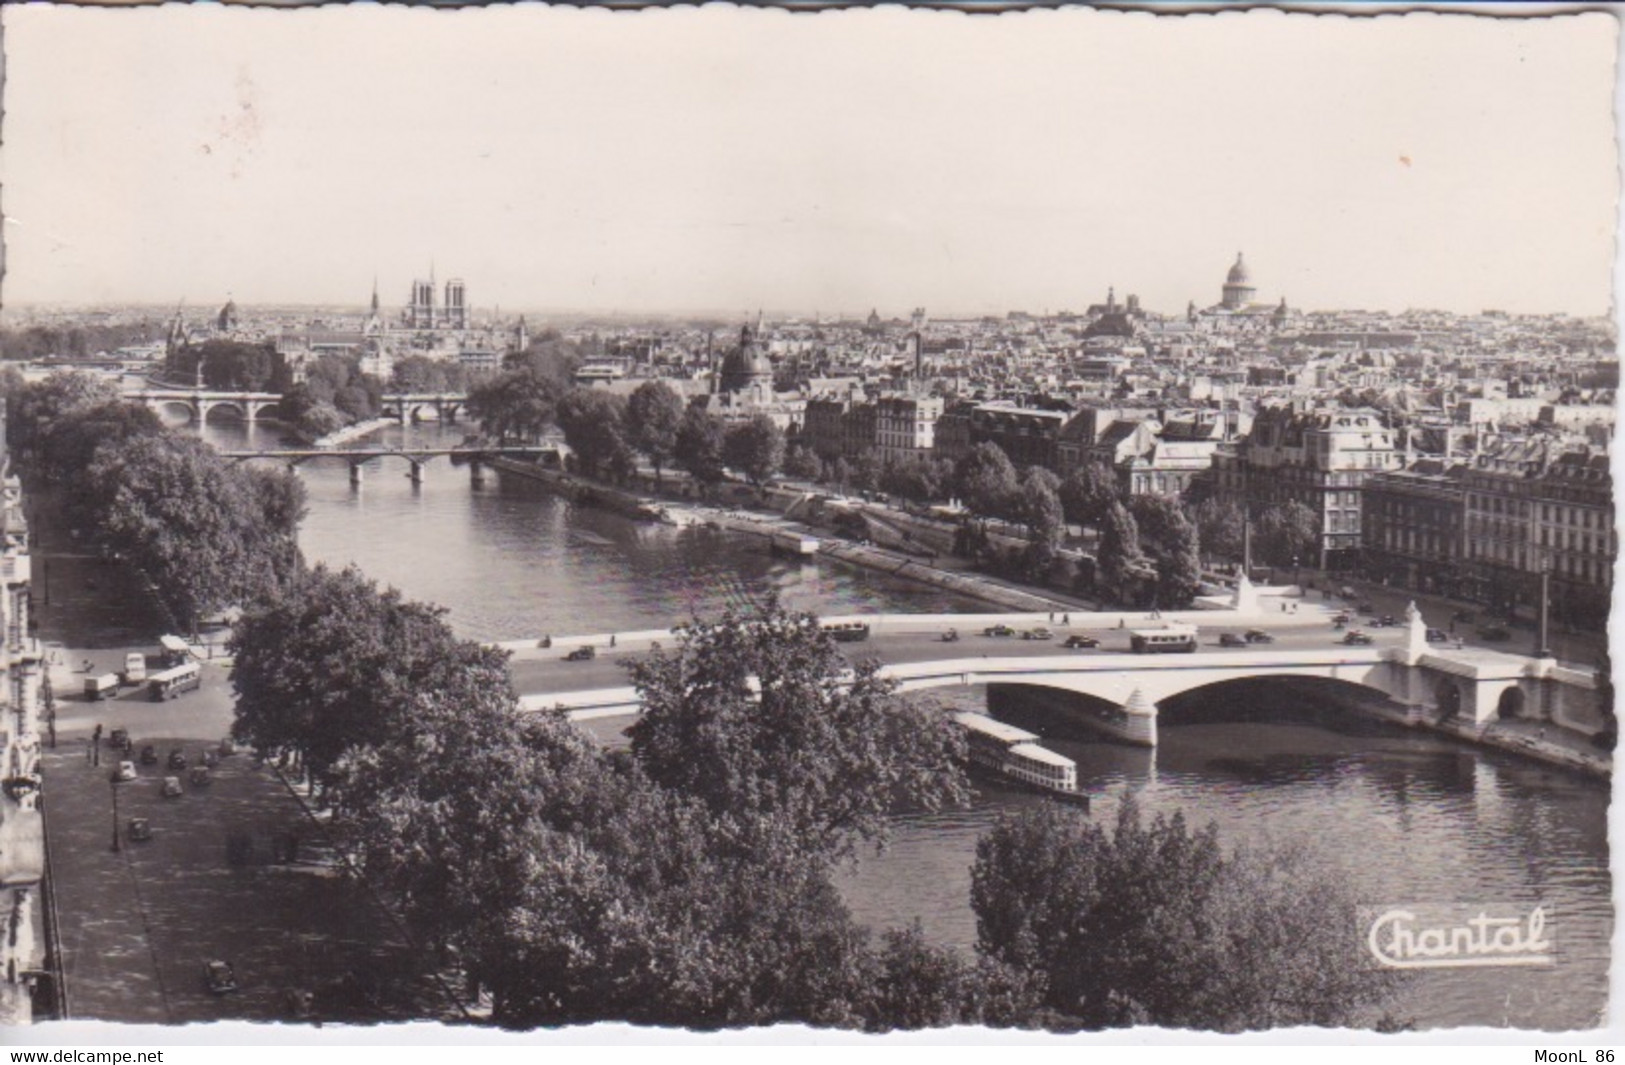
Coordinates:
<point>1357,636</point>
<point>950,636</point>
<point>1039,633</point>
<point>1494,632</point>
<point>998,630</point>
<point>1077,641</point>
<point>1257,636</point>
<point>1437,636</point>
<point>581,654</point>
<point>1231,639</point>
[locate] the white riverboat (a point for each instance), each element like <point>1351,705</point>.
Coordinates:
<point>794,544</point>
<point>1015,755</point>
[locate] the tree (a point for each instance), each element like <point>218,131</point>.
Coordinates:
<point>1220,527</point>
<point>986,481</point>
<point>1169,541</point>
<point>1041,512</point>
<point>755,448</point>
<point>1122,569</point>
<point>171,506</point>
<point>801,462</point>
<point>32,410</point>
<point>334,662</point>
<point>516,407</point>
<point>1158,925</point>
<point>1088,493</point>
<point>1289,531</point>
<point>764,722</point>
<point>653,413</point>
<point>230,365</point>
<point>594,425</point>
<point>699,445</point>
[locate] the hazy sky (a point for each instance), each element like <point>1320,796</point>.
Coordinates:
<point>727,160</point>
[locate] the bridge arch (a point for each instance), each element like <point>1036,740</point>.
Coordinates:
<point>176,411</point>
<point>1511,704</point>
<point>238,411</point>
<point>1447,697</point>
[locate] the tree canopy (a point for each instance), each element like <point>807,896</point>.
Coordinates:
<point>1169,541</point>
<point>1156,924</point>
<point>654,412</point>
<point>517,406</point>
<point>755,448</point>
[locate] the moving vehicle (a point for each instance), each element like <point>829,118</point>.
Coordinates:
<point>950,636</point>
<point>149,755</point>
<point>998,630</point>
<point>1257,636</point>
<point>135,668</point>
<point>177,759</point>
<point>172,788</point>
<point>199,777</point>
<point>1230,639</point>
<point>1341,619</point>
<point>219,978</point>
<point>124,771</point>
<point>140,829</point>
<point>1437,636</point>
<point>1356,636</point>
<point>171,682</point>
<point>581,654</point>
<point>1175,639</point>
<point>1015,755</point>
<point>1494,632</point>
<point>102,687</point>
<point>120,738</point>
<point>1076,641</point>
<point>847,631</point>
<point>1039,633</point>
<point>173,650</point>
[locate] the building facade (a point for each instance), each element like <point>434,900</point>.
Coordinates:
<point>1321,459</point>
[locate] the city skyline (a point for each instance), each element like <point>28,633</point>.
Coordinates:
<point>699,161</point>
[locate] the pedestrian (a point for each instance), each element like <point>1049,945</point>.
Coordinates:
<point>1066,619</point>
<point>612,639</point>
<point>1052,617</point>
<point>96,746</point>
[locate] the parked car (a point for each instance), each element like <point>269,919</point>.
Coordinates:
<point>1230,639</point>
<point>219,978</point>
<point>1257,636</point>
<point>171,788</point>
<point>140,829</point>
<point>1341,619</point>
<point>123,771</point>
<point>1357,636</point>
<point>1077,641</point>
<point>149,755</point>
<point>177,759</point>
<point>998,630</point>
<point>199,776</point>
<point>1039,633</point>
<point>120,738</point>
<point>1437,636</point>
<point>581,654</point>
<point>1494,632</point>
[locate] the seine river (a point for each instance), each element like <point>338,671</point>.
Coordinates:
<point>1408,819</point>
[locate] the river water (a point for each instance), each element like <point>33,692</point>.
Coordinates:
<point>1407,818</point>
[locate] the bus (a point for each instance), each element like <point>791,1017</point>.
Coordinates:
<point>171,682</point>
<point>847,631</point>
<point>1172,640</point>
<point>102,687</point>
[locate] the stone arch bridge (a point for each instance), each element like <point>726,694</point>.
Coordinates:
<point>1118,693</point>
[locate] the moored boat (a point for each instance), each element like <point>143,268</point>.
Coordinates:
<point>1015,755</point>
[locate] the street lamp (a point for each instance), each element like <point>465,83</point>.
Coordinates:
<point>113,783</point>
<point>1296,579</point>
<point>1543,646</point>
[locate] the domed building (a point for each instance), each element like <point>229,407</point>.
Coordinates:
<point>1238,287</point>
<point>747,367</point>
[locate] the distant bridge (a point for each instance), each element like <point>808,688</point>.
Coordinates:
<point>409,406</point>
<point>417,457</point>
<point>196,403</point>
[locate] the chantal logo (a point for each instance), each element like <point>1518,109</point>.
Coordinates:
<point>1451,936</point>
